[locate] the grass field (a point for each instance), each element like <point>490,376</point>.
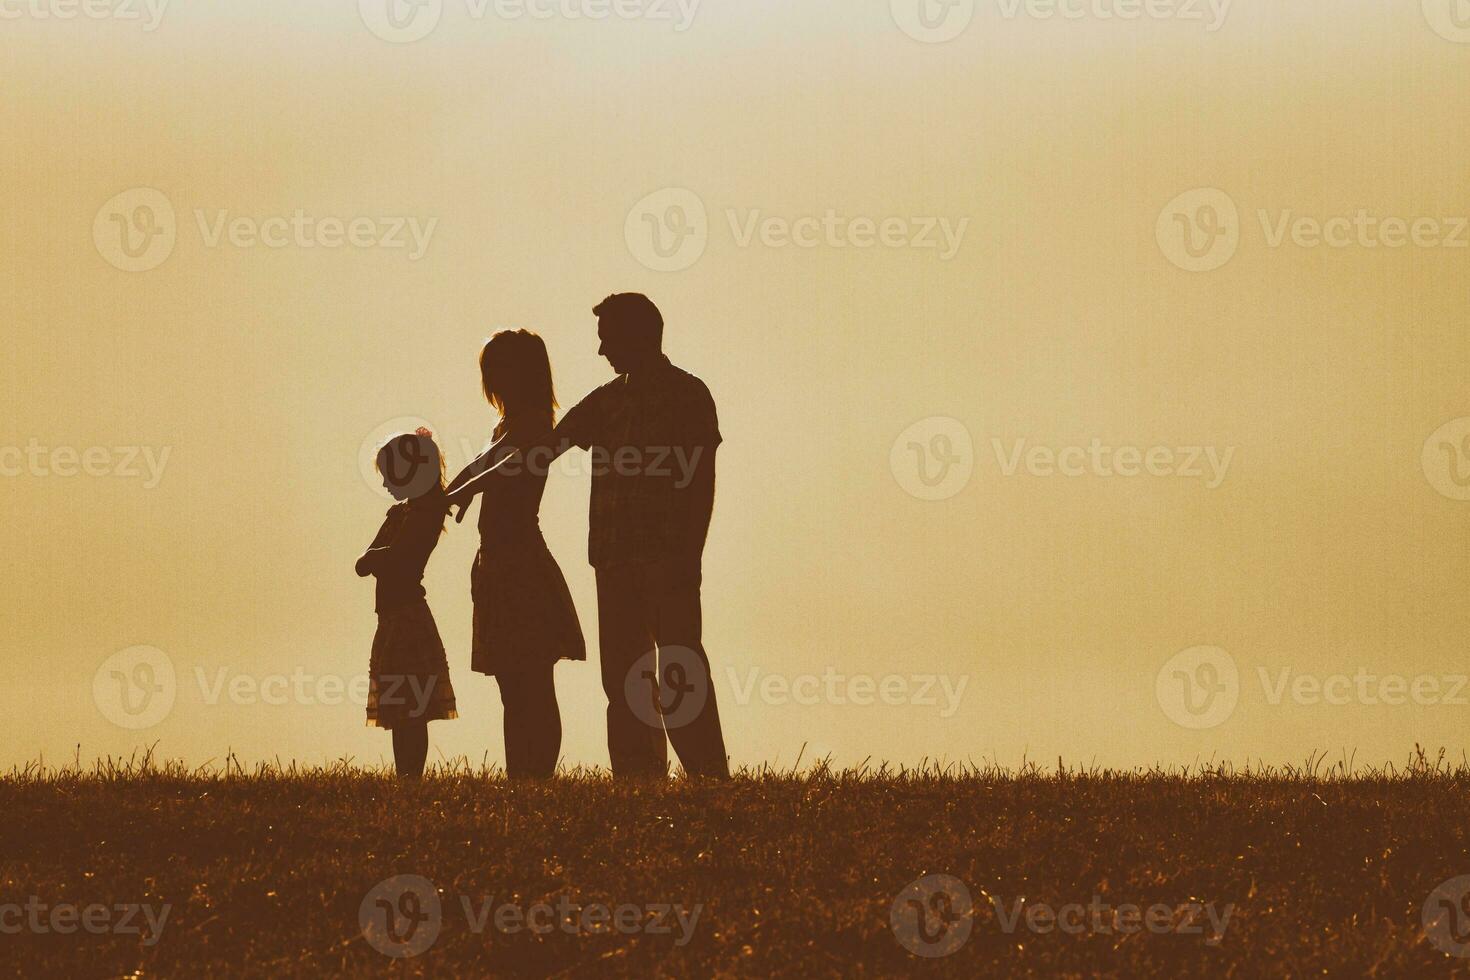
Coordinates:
<point>156,870</point>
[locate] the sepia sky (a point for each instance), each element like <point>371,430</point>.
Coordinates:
<point>1092,386</point>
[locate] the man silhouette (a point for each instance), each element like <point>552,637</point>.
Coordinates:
<point>652,433</point>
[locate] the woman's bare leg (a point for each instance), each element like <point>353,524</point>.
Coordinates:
<point>411,749</point>
<point>532,722</point>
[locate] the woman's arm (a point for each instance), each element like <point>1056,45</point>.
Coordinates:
<point>474,468</point>
<point>575,430</point>
<point>464,495</point>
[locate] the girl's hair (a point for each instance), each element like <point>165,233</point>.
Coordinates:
<point>516,375</point>
<point>412,463</point>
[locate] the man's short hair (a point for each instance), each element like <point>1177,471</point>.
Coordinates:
<point>635,314</point>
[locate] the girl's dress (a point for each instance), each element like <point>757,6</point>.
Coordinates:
<point>524,616</point>
<point>408,673</point>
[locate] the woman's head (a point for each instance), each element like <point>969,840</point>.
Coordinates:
<point>516,375</point>
<point>411,465</point>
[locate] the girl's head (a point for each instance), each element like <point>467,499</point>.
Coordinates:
<point>516,375</point>
<point>411,465</point>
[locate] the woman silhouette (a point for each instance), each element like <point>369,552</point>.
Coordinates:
<point>524,618</point>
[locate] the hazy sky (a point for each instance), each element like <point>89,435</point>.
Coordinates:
<point>1079,273</point>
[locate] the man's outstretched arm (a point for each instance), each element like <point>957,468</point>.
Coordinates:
<point>577,426</point>
<point>574,431</point>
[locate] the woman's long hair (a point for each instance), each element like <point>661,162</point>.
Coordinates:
<point>516,375</point>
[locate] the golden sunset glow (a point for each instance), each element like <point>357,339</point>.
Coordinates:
<point>914,256</point>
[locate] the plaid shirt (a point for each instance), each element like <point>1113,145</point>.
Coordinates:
<point>648,435</point>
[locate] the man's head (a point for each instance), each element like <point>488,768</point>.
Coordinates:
<point>631,330</point>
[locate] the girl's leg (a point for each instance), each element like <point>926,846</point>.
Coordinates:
<point>411,749</point>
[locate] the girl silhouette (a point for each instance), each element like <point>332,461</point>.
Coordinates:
<point>408,675</point>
